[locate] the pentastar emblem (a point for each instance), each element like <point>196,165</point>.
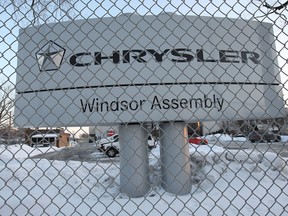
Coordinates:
<point>50,56</point>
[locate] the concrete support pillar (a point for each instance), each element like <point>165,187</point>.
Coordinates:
<point>134,161</point>
<point>174,158</point>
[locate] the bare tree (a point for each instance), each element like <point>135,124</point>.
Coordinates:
<point>39,11</point>
<point>6,105</point>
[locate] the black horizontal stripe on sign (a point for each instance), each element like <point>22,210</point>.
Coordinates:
<point>149,84</point>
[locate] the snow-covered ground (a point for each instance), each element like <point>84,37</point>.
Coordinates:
<point>224,137</point>
<point>225,182</point>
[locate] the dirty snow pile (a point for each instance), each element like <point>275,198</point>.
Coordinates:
<point>225,182</point>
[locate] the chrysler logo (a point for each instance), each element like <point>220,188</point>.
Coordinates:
<point>50,56</point>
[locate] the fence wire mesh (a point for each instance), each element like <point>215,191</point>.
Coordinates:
<point>143,107</point>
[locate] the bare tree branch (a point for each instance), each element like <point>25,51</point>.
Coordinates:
<point>6,103</point>
<point>279,9</point>
<point>275,8</point>
<point>41,11</point>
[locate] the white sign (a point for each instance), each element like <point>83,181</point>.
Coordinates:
<point>146,69</point>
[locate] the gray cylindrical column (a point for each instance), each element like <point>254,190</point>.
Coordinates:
<point>174,158</point>
<point>134,161</point>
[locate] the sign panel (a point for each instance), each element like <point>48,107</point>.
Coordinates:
<point>145,69</point>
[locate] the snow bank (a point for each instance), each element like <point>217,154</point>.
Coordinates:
<point>218,137</point>
<point>23,151</point>
<point>225,182</point>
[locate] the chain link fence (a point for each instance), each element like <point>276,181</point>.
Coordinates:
<point>143,108</point>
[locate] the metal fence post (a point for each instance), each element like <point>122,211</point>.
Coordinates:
<point>134,163</point>
<point>175,166</point>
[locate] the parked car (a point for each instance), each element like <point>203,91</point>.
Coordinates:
<point>110,145</point>
<point>198,141</point>
<point>107,140</point>
<point>260,136</point>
